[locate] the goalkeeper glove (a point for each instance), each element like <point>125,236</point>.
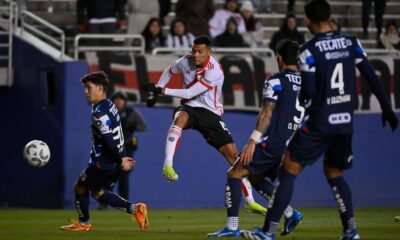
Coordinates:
<point>151,87</point>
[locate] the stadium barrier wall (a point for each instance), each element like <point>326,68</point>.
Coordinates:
<point>62,119</point>
<point>43,103</point>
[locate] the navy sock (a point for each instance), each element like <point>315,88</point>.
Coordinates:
<point>280,200</point>
<point>82,206</point>
<point>115,201</point>
<point>342,193</point>
<point>265,188</point>
<point>233,196</point>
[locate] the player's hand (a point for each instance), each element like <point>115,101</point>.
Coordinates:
<point>151,87</point>
<point>127,164</point>
<point>152,100</point>
<point>247,153</point>
<point>389,116</point>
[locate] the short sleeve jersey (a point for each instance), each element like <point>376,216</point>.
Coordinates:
<point>328,64</point>
<point>210,75</point>
<point>282,88</point>
<point>107,138</point>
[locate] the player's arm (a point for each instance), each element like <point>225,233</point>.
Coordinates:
<point>270,94</point>
<point>369,74</point>
<point>307,68</point>
<point>196,89</point>
<point>101,125</point>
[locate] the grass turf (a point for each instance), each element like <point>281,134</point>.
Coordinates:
<point>318,223</point>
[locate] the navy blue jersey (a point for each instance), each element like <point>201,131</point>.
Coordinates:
<point>282,88</point>
<point>108,145</point>
<point>328,64</point>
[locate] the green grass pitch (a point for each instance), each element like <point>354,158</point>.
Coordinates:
<point>318,223</point>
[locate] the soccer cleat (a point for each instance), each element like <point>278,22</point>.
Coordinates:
<point>353,235</point>
<point>225,232</point>
<point>291,223</point>
<point>255,208</point>
<point>140,216</point>
<point>76,226</point>
<point>257,234</point>
<point>170,174</point>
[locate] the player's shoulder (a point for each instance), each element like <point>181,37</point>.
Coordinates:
<point>213,67</point>
<point>103,108</point>
<point>275,80</point>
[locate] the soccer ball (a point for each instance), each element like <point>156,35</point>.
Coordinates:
<point>36,153</point>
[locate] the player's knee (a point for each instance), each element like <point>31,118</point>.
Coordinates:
<point>79,189</point>
<point>332,173</point>
<point>237,172</point>
<point>96,195</point>
<point>181,119</point>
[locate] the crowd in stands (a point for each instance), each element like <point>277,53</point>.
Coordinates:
<point>232,25</point>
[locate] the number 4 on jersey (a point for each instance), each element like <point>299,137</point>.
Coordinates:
<point>337,78</point>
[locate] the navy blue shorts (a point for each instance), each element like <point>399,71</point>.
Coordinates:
<point>96,179</point>
<point>307,147</point>
<point>265,161</point>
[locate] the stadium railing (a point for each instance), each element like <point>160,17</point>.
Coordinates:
<point>263,51</point>
<point>26,25</point>
<point>8,23</point>
<point>79,47</point>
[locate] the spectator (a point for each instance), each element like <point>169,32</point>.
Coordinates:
<point>288,30</point>
<point>153,35</point>
<point>379,6</point>
<point>231,37</point>
<point>390,39</point>
<point>179,37</point>
<point>218,21</point>
<point>100,17</point>
<point>196,14</point>
<point>262,5</point>
<point>140,12</point>
<point>253,35</point>
<point>334,25</point>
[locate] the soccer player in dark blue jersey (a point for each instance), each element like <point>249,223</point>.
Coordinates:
<point>107,158</point>
<point>328,64</point>
<point>278,119</point>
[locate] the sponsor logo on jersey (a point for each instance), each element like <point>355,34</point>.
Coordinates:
<point>333,44</point>
<point>339,118</point>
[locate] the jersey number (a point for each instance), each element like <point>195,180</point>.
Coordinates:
<point>337,78</point>
<point>118,135</point>
<point>301,110</point>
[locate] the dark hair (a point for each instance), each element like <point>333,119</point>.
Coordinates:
<point>288,50</point>
<point>172,26</point>
<point>390,23</point>
<point>148,36</point>
<point>203,39</point>
<point>285,22</point>
<point>119,95</point>
<point>97,78</point>
<point>317,10</point>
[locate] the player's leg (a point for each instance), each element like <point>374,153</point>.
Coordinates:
<point>265,185</point>
<point>229,151</point>
<point>339,157</point>
<point>181,119</point>
<point>123,184</point>
<point>304,149</point>
<point>233,196</point>
<point>81,204</point>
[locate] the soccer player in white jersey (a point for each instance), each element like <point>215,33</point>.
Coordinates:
<point>201,109</point>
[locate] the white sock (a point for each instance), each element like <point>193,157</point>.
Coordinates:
<point>173,139</point>
<point>288,211</point>
<point>247,191</point>
<point>233,223</point>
